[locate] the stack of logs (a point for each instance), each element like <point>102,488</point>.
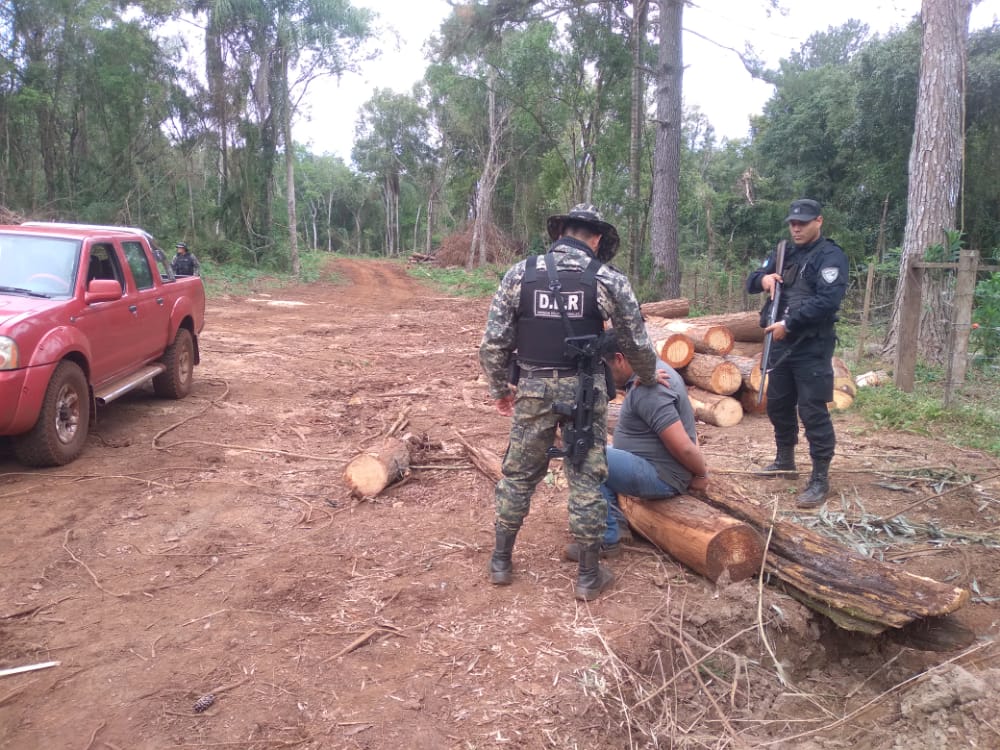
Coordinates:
<point>719,358</point>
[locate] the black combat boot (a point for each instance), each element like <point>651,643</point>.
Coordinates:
<point>783,466</point>
<point>592,578</point>
<point>501,568</point>
<point>818,487</point>
<point>572,551</point>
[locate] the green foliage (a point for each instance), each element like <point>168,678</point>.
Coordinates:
<point>947,251</point>
<point>229,278</point>
<point>985,336</point>
<point>922,413</point>
<point>480,282</point>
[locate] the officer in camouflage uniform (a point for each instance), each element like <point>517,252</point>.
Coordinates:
<point>525,328</point>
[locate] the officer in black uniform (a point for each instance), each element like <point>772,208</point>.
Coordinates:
<point>184,262</point>
<point>800,372</point>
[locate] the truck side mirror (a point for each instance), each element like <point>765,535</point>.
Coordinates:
<point>102,290</point>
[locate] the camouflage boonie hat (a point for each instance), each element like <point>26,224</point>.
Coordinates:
<point>586,213</point>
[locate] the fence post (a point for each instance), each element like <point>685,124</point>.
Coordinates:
<point>961,325</point>
<point>904,370</point>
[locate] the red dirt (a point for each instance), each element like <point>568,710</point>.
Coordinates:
<point>209,545</point>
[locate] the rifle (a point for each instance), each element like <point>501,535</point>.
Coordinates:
<point>772,318</point>
<point>578,438</point>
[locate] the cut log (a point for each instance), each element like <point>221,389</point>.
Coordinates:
<point>748,400</point>
<point>676,350</point>
<point>870,595</point>
<point>667,308</point>
<point>709,542</point>
<point>712,373</point>
<point>757,381</point>
<point>841,400</point>
<point>371,472</point>
<point>707,339</point>
<point>745,326</point>
<point>745,365</point>
<point>747,348</point>
<point>721,411</point>
<point>842,378</point>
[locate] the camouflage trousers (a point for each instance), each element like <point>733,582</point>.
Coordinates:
<point>525,464</point>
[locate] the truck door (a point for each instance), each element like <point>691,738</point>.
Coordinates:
<point>109,326</point>
<point>148,303</point>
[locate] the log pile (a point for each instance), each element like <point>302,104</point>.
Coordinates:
<point>719,356</point>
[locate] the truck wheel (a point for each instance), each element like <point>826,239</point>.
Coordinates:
<point>60,433</point>
<point>175,381</point>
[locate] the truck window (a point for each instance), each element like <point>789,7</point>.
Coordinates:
<point>139,263</point>
<point>162,263</point>
<point>44,265</point>
<point>103,264</point>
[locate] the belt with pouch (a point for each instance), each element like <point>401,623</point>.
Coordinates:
<point>550,372</point>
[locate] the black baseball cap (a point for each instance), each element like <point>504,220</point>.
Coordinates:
<point>804,209</point>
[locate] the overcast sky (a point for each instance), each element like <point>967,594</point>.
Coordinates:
<point>714,79</point>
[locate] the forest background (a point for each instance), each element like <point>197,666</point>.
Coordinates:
<point>525,109</point>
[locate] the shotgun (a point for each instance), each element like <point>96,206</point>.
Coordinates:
<point>772,318</point>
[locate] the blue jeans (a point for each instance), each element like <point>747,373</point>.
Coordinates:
<point>629,474</point>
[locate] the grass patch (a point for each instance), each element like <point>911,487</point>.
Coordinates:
<point>972,423</point>
<point>222,279</point>
<point>457,282</point>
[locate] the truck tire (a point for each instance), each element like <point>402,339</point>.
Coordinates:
<point>175,381</point>
<point>60,433</point>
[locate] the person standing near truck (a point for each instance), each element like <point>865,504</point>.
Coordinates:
<point>542,305</point>
<point>185,263</point>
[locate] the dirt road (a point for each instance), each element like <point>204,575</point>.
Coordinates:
<point>209,546</point>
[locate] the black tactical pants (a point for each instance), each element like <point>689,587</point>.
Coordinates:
<point>802,377</point>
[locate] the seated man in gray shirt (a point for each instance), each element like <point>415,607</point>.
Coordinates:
<point>655,453</point>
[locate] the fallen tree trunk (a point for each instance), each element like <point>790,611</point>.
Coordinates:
<point>371,472</point>
<point>711,408</point>
<point>856,592</point>
<point>712,373</point>
<point>667,308</point>
<point>699,536</point>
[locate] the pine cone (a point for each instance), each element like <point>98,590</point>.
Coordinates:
<point>203,703</point>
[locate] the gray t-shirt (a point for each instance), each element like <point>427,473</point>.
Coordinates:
<point>645,413</point>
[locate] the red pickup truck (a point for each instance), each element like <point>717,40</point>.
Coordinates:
<point>87,313</point>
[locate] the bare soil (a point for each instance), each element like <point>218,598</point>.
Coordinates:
<point>210,546</point>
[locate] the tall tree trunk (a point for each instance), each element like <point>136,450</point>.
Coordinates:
<point>935,167</point>
<point>667,154</point>
<point>638,113</point>
<point>492,166</point>
<point>285,113</point>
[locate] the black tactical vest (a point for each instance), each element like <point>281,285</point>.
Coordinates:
<point>800,284</point>
<point>540,328</point>
<point>183,264</point>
